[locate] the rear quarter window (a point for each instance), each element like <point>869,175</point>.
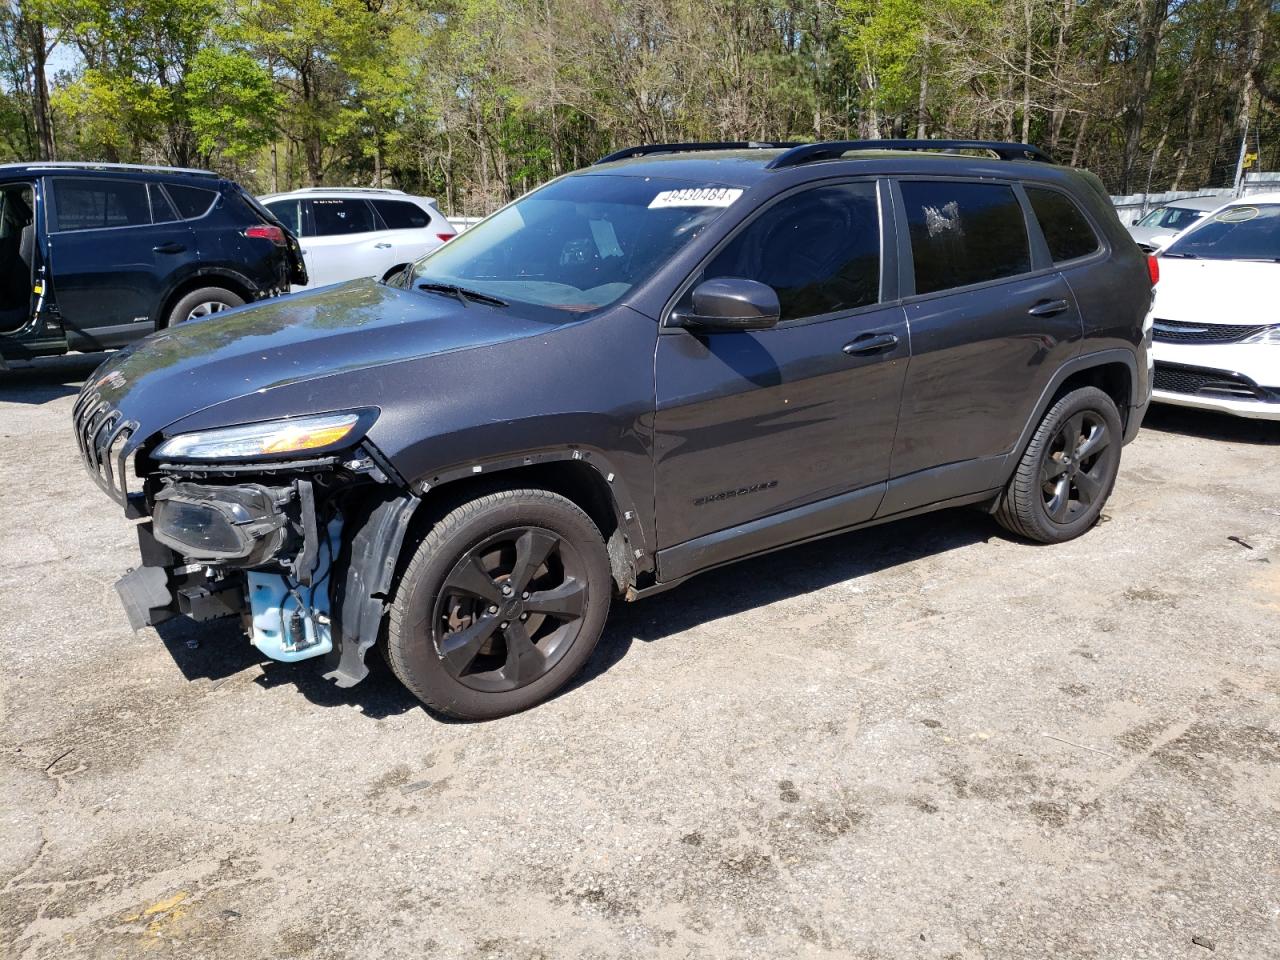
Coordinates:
<point>964,233</point>
<point>87,204</point>
<point>192,202</point>
<point>1066,229</point>
<point>401,214</point>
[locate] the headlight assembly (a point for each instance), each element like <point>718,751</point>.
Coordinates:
<point>270,439</point>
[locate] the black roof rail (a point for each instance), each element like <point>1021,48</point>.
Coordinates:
<point>95,165</point>
<point>833,150</point>
<point>650,148</point>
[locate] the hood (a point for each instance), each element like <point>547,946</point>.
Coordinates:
<point>261,348</point>
<point>1217,291</point>
<point>1152,236</point>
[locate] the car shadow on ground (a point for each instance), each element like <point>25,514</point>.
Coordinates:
<point>1210,425</point>
<point>783,575</point>
<point>39,381</point>
<point>218,650</point>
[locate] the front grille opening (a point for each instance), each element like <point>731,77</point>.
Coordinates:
<point>1207,383</point>
<point>1175,331</point>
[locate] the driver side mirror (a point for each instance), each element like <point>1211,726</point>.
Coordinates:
<point>730,303</point>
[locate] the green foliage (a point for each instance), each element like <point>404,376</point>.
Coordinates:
<point>476,101</point>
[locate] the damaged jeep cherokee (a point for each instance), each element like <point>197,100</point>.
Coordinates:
<point>683,355</point>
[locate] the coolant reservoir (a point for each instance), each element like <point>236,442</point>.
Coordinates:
<point>283,628</point>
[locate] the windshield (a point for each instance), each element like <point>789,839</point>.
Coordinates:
<point>1241,232</point>
<point>577,244</point>
<point>1171,218</point>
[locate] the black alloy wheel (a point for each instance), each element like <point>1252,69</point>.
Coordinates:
<point>500,604</point>
<point>1076,470</point>
<point>1067,471</point>
<point>510,609</point>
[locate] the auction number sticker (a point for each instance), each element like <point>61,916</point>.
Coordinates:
<point>695,197</point>
<point>1237,215</point>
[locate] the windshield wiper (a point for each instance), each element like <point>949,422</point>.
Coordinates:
<point>1184,256</point>
<point>463,294</point>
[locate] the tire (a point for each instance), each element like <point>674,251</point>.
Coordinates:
<point>1056,494</point>
<point>467,649</point>
<point>216,299</point>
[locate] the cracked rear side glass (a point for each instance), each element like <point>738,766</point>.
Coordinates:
<point>578,244</point>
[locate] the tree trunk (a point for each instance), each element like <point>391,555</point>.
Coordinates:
<point>1026,72</point>
<point>43,116</point>
<point>922,103</point>
<point>1152,15</point>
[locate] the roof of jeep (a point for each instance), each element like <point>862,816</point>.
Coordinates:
<point>746,167</point>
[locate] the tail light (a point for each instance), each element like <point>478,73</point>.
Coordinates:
<point>266,231</point>
<point>1153,269</point>
<point>446,237</point>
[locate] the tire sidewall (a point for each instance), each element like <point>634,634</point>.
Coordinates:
<point>1079,401</point>
<point>180,309</point>
<point>420,586</point>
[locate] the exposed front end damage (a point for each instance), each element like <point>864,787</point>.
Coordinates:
<point>303,551</point>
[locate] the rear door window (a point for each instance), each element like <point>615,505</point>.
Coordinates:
<point>161,209</point>
<point>964,233</point>
<point>819,249</point>
<point>335,216</point>
<point>401,214</point>
<point>1066,229</point>
<point>91,204</point>
<point>192,202</point>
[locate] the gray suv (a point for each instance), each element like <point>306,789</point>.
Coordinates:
<point>683,355</point>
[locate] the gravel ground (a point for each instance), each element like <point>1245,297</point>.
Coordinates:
<point>923,741</point>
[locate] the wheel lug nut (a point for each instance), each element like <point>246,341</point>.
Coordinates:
<point>506,590</point>
<point>493,609</point>
<point>525,595</point>
<point>503,625</point>
<point>524,616</point>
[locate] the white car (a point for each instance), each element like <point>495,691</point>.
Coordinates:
<point>1215,320</point>
<point>355,232</point>
<point>1162,224</point>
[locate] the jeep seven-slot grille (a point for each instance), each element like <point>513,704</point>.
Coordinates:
<point>1174,331</point>
<point>102,433</point>
<point>1213,383</point>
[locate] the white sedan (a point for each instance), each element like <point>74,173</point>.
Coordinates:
<point>1216,316</point>
<point>355,232</point>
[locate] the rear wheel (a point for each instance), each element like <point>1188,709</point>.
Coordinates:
<point>501,604</point>
<point>202,303</point>
<point>1068,470</point>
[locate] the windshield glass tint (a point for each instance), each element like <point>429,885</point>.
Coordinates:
<point>1242,232</point>
<point>1173,218</point>
<point>577,244</point>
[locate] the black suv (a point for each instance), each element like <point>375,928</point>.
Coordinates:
<point>94,256</point>
<point>673,359</point>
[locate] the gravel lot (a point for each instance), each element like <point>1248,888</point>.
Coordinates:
<point>922,741</point>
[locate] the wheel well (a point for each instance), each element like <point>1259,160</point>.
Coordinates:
<point>572,479</point>
<point>195,283</point>
<point>1113,379</point>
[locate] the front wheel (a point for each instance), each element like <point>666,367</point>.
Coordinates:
<point>501,604</point>
<point>1067,471</point>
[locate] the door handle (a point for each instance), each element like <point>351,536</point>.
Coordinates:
<point>382,246</point>
<point>169,248</point>
<point>870,343</point>
<point>1049,308</point>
